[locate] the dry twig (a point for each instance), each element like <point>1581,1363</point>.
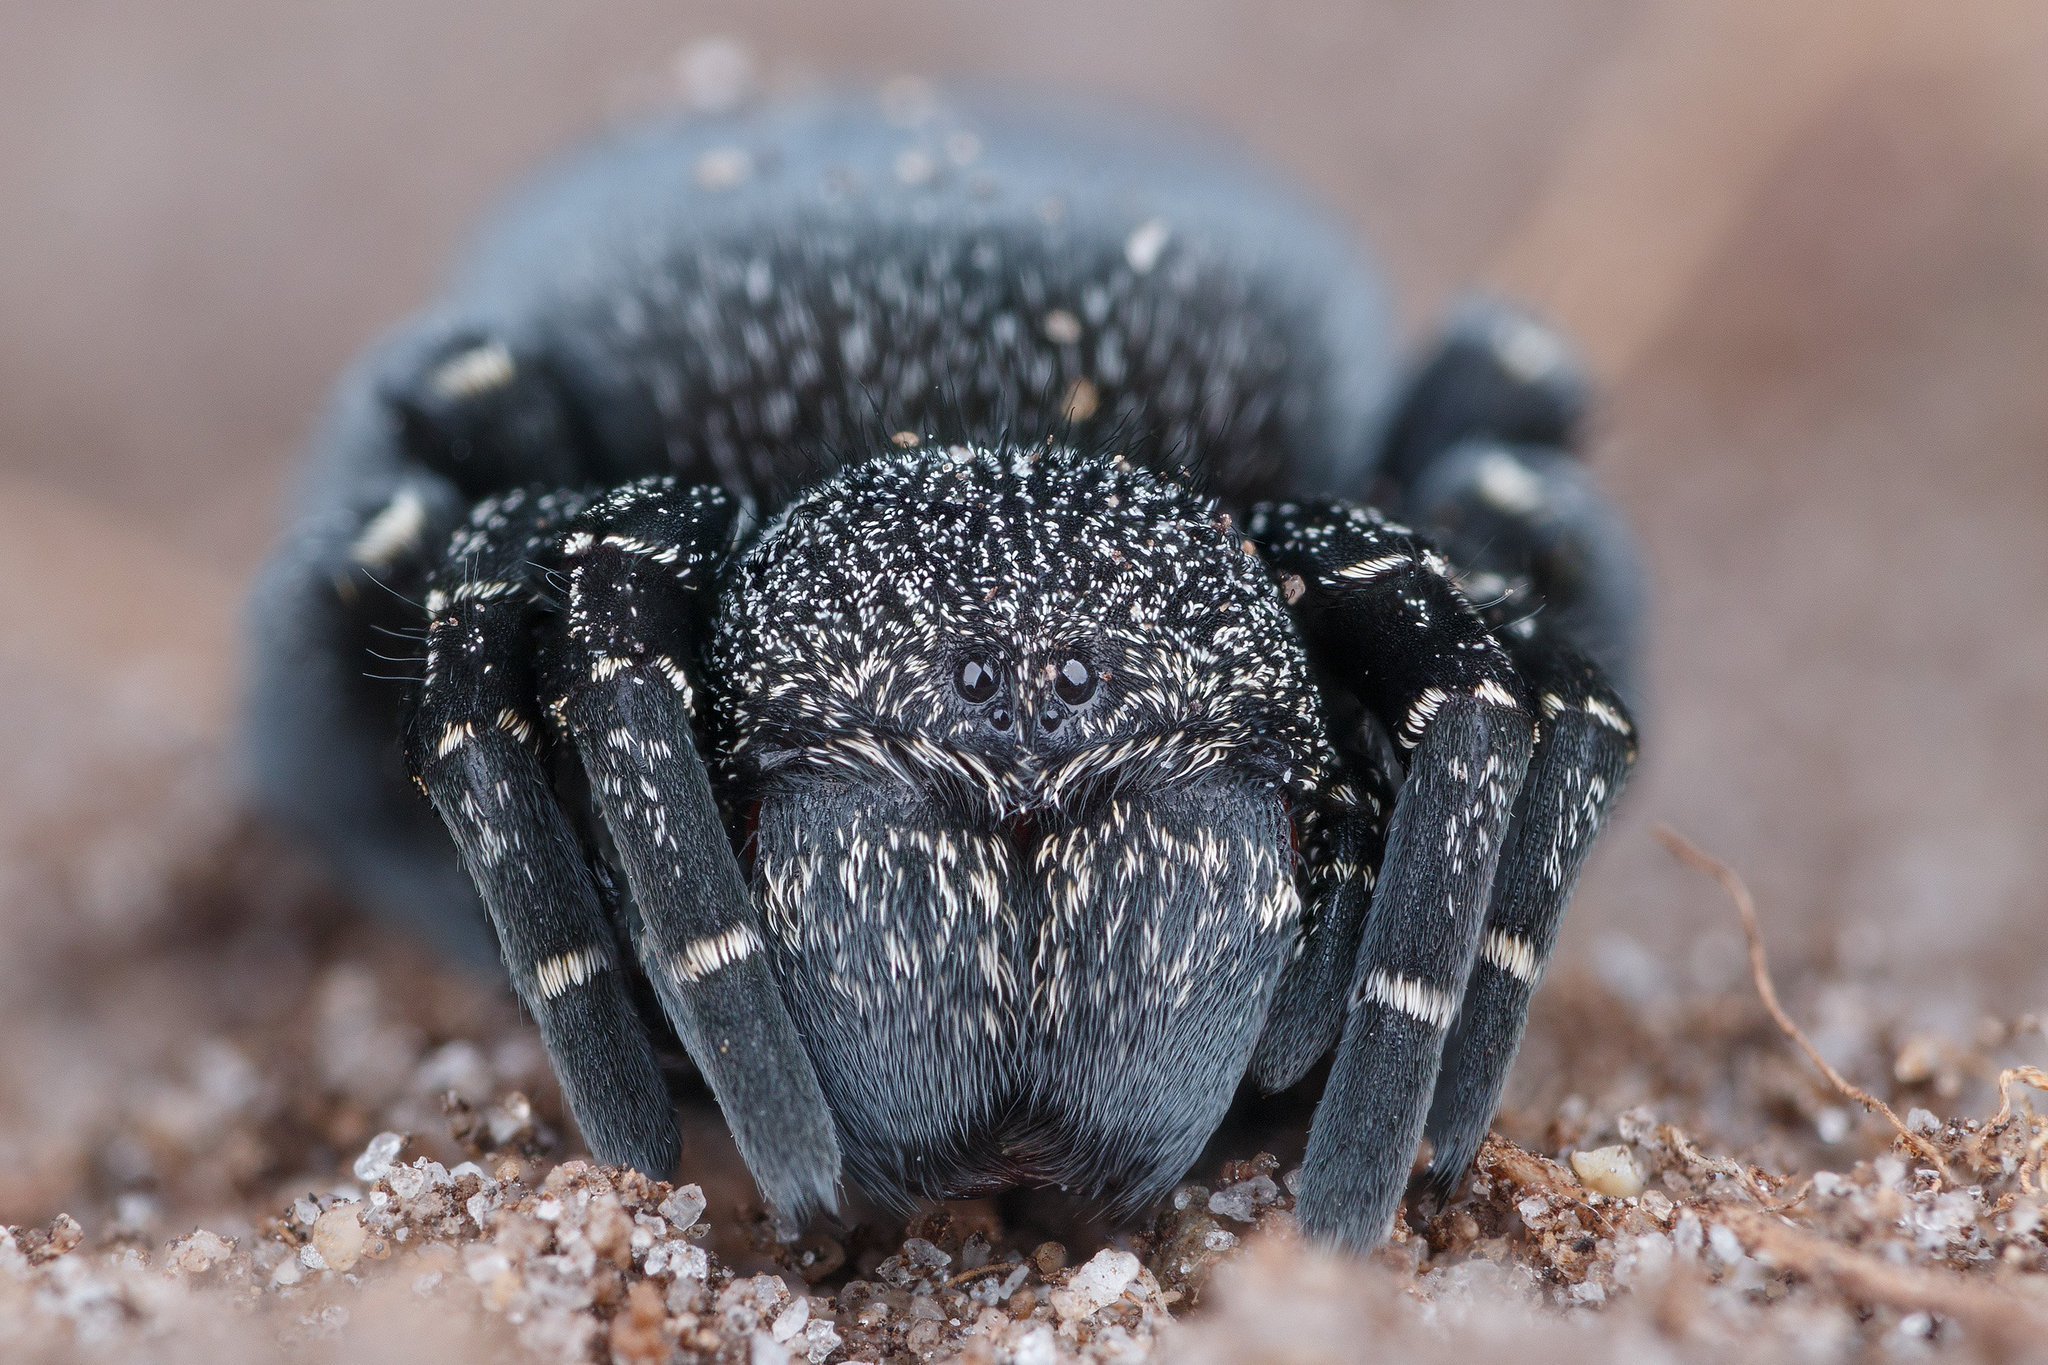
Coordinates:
<point>1723,1166</point>
<point>2037,1142</point>
<point>2007,1079</point>
<point>1694,857</point>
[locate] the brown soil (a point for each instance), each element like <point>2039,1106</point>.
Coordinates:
<point>362,1153</point>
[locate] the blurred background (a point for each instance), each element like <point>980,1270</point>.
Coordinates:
<point>1805,245</point>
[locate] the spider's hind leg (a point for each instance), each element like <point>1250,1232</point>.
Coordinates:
<point>1499,374</point>
<point>1483,458</point>
<point>444,412</point>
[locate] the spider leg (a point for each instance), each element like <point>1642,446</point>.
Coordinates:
<point>1499,373</point>
<point>1383,618</point>
<point>1585,744</point>
<point>487,412</point>
<point>1481,449</point>
<point>636,564</point>
<point>441,413</point>
<point>472,747</point>
<point>321,744</point>
<point>1482,452</point>
<point>1308,1009</point>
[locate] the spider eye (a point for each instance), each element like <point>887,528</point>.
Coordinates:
<point>975,681</point>
<point>1075,681</point>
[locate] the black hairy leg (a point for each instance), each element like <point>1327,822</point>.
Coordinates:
<point>439,416</point>
<point>1483,447</point>
<point>1385,623</point>
<point>474,747</point>
<point>1482,458</point>
<point>592,586</point>
<point>638,565</point>
<point>1498,372</point>
<point>1585,744</point>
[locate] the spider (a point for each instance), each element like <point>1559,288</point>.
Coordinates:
<point>916,614</point>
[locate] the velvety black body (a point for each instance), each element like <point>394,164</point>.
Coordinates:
<point>898,584</point>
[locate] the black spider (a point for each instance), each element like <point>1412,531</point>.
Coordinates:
<point>887,604</point>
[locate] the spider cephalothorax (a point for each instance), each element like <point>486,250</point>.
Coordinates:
<point>1015,630</point>
<point>973,808</point>
<point>1022,728</point>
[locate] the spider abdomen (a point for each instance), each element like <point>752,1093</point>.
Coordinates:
<point>749,302</point>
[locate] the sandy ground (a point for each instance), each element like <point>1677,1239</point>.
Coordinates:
<point>1806,246</point>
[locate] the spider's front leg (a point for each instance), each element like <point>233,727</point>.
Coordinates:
<point>1482,452</point>
<point>1585,744</point>
<point>1384,620</point>
<point>638,565</point>
<point>474,746</point>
